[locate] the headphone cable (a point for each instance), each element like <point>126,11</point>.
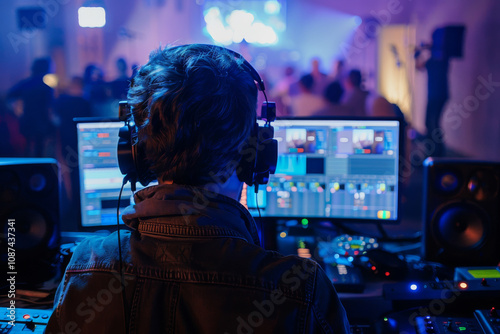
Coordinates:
<point>120,266</point>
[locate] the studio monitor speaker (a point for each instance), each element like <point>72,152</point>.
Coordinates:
<point>29,218</point>
<point>461,212</point>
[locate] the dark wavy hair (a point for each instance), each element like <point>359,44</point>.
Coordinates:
<point>194,106</point>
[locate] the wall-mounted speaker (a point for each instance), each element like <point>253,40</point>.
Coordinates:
<point>29,218</point>
<point>461,212</point>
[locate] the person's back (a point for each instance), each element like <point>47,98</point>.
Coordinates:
<point>192,261</point>
<point>37,98</point>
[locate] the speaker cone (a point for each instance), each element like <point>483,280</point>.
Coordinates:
<point>461,226</point>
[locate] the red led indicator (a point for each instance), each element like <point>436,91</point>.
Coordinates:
<point>463,285</point>
<point>374,268</point>
<point>387,273</point>
<point>26,316</point>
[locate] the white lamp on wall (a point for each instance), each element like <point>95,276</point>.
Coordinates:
<point>92,15</point>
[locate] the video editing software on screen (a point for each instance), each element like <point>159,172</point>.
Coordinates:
<point>100,177</point>
<point>326,169</point>
<point>332,168</point>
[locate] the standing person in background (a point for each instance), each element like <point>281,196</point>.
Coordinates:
<point>36,98</point>
<point>71,104</point>
<point>333,95</point>
<point>306,103</point>
<point>282,91</point>
<point>339,71</point>
<point>320,79</point>
<point>68,105</point>
<point>96,91</point>
<point>363,103</point>
<point>119,86</point>
<point>437,90</point>
<point>355,95</point>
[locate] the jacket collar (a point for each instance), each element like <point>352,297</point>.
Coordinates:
<point>193,207</point>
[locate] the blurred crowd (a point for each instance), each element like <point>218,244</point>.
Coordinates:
<point>36,120</point>
<point>339,93</point>
<point>36,117</point>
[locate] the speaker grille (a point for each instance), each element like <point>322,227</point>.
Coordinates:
<point>29,195</point>
<point>461,212</point>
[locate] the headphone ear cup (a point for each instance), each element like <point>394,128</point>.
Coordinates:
<point>267,160</point>
<point>125,154</point>
<point>248,151</point>
<point>259,156</point>
<point>131,157</point>
<point>141,165</point>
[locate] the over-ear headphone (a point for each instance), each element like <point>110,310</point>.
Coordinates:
<point>259,154</point>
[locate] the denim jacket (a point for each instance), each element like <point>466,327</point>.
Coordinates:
<point>192,264</point>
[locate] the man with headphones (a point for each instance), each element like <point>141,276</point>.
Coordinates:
<point>192,262</point>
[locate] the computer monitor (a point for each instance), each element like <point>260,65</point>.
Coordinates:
<point>332,169</point>
<point>100,176</point>
<point>344,169</point>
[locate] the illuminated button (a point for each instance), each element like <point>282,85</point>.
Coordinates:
<point>383,214</point>
<point>463,285</point>
<point>26,316</point>
<point>45,316</point>
<point>413,287</point>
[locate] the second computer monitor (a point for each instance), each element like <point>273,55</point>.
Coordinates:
<point>346,169</point>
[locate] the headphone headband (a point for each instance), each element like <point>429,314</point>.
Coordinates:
<point>254,169</point>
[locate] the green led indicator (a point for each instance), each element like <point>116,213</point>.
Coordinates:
<point>385,319</point>
<point>305,221</point>
<point>462,328</point>
<point>302,244</point>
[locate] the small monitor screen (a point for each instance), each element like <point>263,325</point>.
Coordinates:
<point>100,176</point>
<point>343,169</point>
